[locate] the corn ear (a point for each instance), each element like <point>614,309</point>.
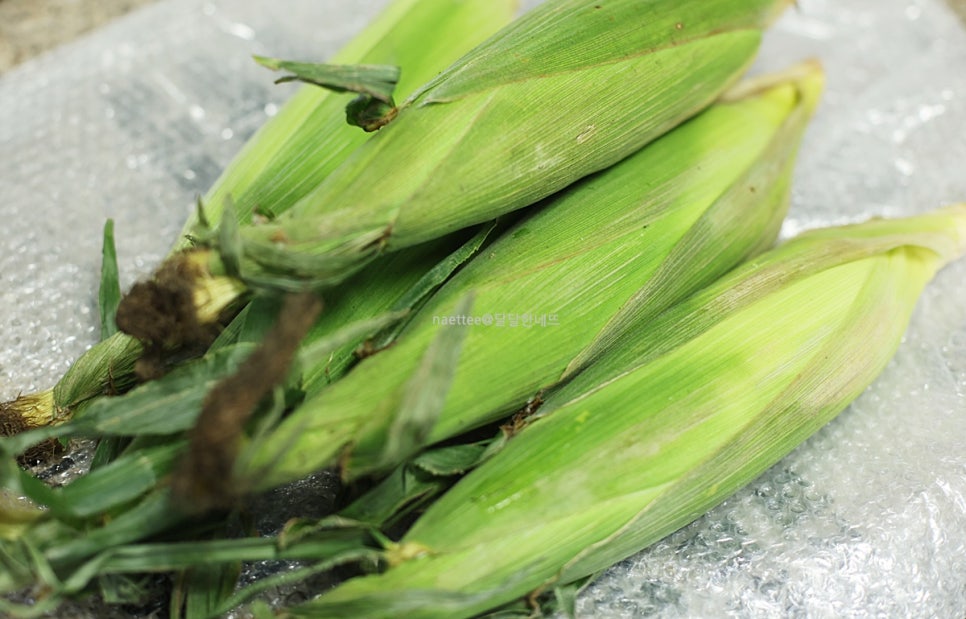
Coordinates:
<point>714,391</point>
<point>511,122</point>
<point>627,242</point>
<point>299,147</point>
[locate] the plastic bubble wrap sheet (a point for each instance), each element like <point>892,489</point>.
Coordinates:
<point>867,519</point>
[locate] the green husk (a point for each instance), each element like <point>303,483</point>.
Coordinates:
<point>109,292</point>
<point>299,147</point>
<point>664,426</point>
<point>626,243</point>
<point>510,123</point>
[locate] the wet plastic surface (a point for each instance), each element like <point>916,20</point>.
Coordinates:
<point>866,519</point>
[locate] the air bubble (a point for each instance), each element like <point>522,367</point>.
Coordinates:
<point>905,167</point>
<point>928,112</point>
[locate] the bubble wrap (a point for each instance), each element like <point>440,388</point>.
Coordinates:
<point>866,519</point>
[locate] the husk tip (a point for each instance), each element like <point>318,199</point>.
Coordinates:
<point>267,62</point>
<point>957,215</point>
<point>778,9</point>
<point>806,78</point>
<point>810,80</point>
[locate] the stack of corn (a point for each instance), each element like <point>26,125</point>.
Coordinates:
<point>665,425</point>
<point>627,243</point>
<point>674,361</point>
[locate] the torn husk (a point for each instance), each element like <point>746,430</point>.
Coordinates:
<point>665,426</point>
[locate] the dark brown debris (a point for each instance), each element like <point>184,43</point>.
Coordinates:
<point>521,418</point>
<point>161,314</point>
<point>203,480</point>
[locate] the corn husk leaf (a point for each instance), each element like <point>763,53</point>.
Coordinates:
<point>409,486</point>
<point>377,81</point>
<point>109,292</point>
<point>116,484</point>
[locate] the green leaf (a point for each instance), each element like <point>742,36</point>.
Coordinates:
<point>121,481</point>
<point>88,495</point>
<point>431,281</point>
<point>400,281</point>
<point>390,604</point>
<point>231,334</point>
<point>425,392</point>
<point>331,547</point>
<point>109,293</point>
<point>451,460</point>
<point>290,578</point>
<point>318,352</point>
<point>377,81</point>
<point>208,587</point>
<point>108,449</point>
<point>565,597</point>
<point>165,406</point>
<point>404,489</point>
<point>229,239</point>
<point>150,516</point>
<point>262,610</point>
<point>375,84</point>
